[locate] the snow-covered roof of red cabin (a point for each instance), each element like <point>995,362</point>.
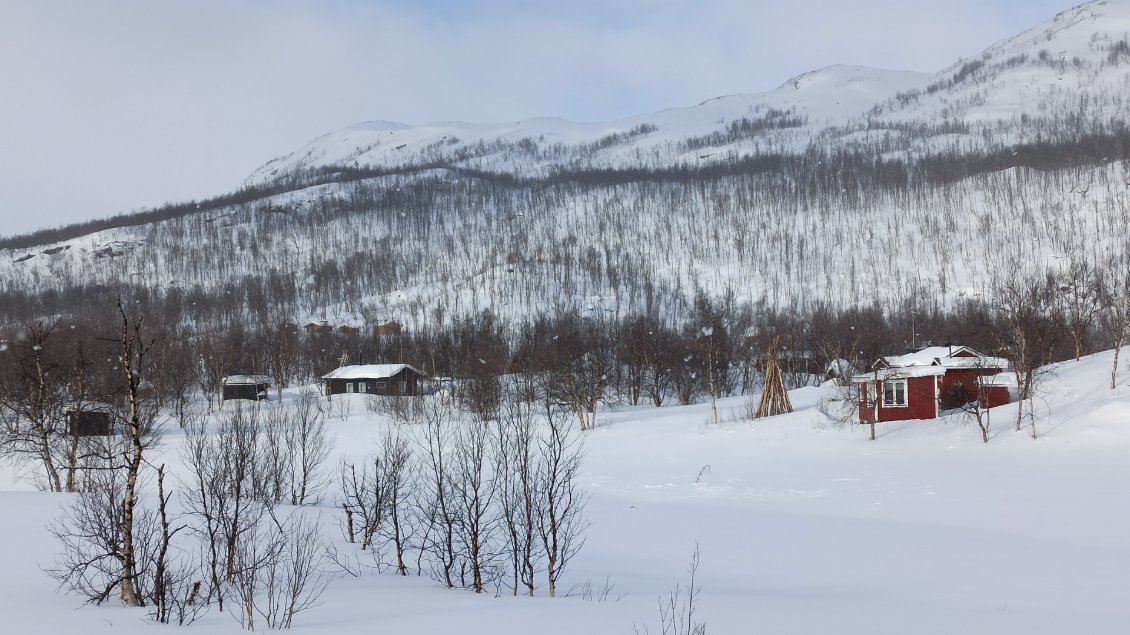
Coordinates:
<point>1003,380</point>
<point>946,357</point>
<point>369,371</point>
<point>900,372</point>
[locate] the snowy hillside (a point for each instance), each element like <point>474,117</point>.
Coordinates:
<point>802,528</point>
<point>1062,77</point>
<point>842,188</point>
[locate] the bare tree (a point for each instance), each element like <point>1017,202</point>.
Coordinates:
<point>1028,329</point>
<point>975,412</point>
<point>282,351</point>
<point>31,404</point>
<point>292,447</point>
<point>1117,289</point>
<point>140,433</point>
<point>677,610</point>
<point>175,593</point>
<point>364,497</point>
<point>474,489</point>
<point>280,571</point>
<point>561,521</point>
<point>1082,295</point>
<point>519,490</point>
<point>399,478</point>
<point>578,376</point>
<point>221,490</point>
<point>90,535</point>
<point>436,506</point>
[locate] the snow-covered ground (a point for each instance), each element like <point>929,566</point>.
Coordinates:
<point>802,527</point>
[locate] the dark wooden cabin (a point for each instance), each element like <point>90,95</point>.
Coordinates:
<point>90,421</point>
<point>399,380</point>
<point>252,387</point>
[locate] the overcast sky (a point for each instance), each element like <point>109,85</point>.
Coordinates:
<point>119,105</point>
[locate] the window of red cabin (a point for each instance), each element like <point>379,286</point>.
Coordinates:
<point>894,393</point>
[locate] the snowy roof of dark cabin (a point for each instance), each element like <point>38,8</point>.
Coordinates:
<point>246,380</point>
<point>369,371</point>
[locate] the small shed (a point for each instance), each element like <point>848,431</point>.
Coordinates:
<point>374,379</point>
<point>348,330</point>
<point>90,420</point>
<point>997,390</point>
<point>252,387</point>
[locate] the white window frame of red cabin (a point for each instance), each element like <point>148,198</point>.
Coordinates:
<point>894,393</point>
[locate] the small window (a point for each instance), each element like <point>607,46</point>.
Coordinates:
<point>348,386</point>
<point>894,393</point>
<point>362,387</point>
<point>403,386</point>
<point>870,393</point>
<point>382,385</point>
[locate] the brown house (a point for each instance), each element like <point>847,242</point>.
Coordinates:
<point>314,328</point>
<point>374,379</point>
<point>387,329</point>
<point>348,330</point>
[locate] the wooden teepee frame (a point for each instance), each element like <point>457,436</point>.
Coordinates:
<point>774,399</point>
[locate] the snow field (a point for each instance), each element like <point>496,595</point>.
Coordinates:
<point>802,528</point>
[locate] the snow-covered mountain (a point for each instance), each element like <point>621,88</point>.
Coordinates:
<point>1068,71</point>
<point>789,117</point>
<point>843,187</point>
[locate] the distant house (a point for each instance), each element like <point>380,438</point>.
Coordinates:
<point>313,328</point>
<point>789,361</point>
<point>90,421</point>
<point>921,384</point>
<point>348,330</point>
<point>288,327</point>
<point>387,329</point>
<point>253,387</point>
<point>374,379</point>
<point>841,370</point>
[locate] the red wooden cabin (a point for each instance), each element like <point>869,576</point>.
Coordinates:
<point>921,384</point>
<point>997,390</point>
